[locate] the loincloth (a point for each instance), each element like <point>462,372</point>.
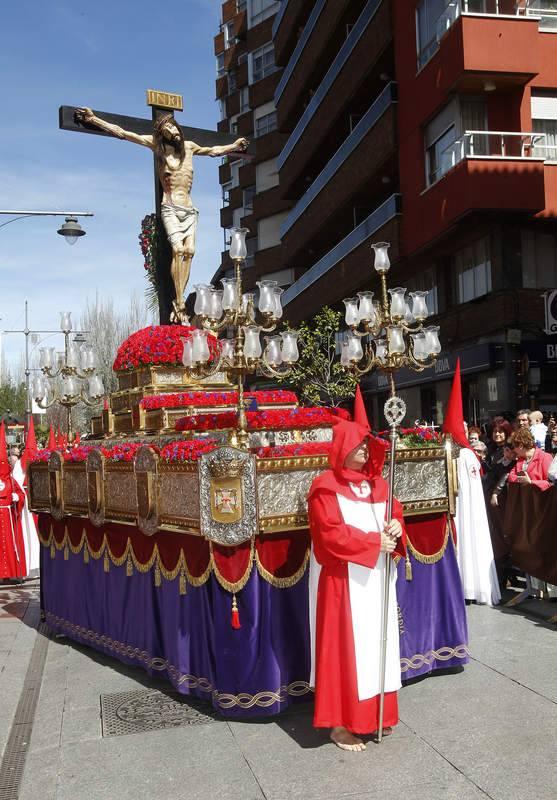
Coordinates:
<point>179,224</point>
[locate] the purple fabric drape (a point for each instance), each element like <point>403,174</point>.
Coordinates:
<point>187,639</point>
<point>432,618</point>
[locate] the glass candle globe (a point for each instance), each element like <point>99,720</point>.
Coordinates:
<point>381,349</point>
<point>39,388</point>
<point>277,292</point>
<point>187,359</point>
<point>266,296</point>
<point>96,388</point>
<point>289,348</point>
<point>366,309</point>
<point>418,346</point>
<point>216,303</point>
<point>382,263</point>
<point>230,294</point>
<point>344,354</point>
<point>202,304</point>
<point>272,351</point>
<point>351,315</point>
<point>238,249</point>
<point>398,302</point>
<point>432,344</point>
<point>396,339</point>
<point>419,306</point>
<point>65,321</point>
<point>252,342</point>
<point>355,350</point>
<point>227,348</point>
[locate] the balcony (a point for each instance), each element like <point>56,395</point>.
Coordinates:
<point>371,33</point>
<point>483,171</point>
<point>300,46</point>
<point>288,19</point>
<point>345,267</point>
<point>472,47</point>
<point>371,142</point>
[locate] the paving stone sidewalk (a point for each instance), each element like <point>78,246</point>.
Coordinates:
<point>488,732</point>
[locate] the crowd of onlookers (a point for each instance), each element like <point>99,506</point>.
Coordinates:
<point>522,451</point>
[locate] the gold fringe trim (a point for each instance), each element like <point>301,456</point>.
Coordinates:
<point>183,584</point>
<point>158,578</point>
<point>282,583</point>
<point>263,699</point>
<point>129,566</point>
<point>408,567</point>
<point>236,586</point>
<point>85,555</point>
<point>434,557</point>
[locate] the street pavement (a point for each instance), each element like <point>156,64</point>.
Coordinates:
<point>486,732</point>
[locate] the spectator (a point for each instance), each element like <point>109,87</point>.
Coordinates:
<point>552,475</point>
<point>474,435</point>
<point>495,485</point>
<point>551,440</point>
<point>500,432</point>
<point>537,428</point>
<point>522,419</point>
<point>480,449</point>
<point>532,463</point>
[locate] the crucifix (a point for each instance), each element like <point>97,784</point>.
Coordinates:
<point>173,147</point>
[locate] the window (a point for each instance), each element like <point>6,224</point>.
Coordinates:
<point>544,120</point>
<point>264,119</point>
<point>233,124</point>
<point>258,10</point>
<point>229,38</point>
<point>262,62</point>
<point>426,281</point>
<point>237,215</point>
<point>249,194</point>
<point>428,27</point>
<point>226,187</point>
<point>222,109</point>
<point>539,259</point>
<point>445,138</point>
<point>220,65</point>
<point>251,247</point>
<point>231,82</point>
<point>235,173</point>
<point>268,230</point>
<point>266,175</point>
<point>241,5</point>
<point>244,99</point>
<point>284,277</point>
<point>473,270</point>
<point>537,7</point>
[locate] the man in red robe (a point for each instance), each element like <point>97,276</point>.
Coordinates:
<point>351,541</point>
<point>12,498</point>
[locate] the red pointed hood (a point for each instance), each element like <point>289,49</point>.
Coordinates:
<point>360,413</point>
<point>454,417</point>
<point>51,439</point>
<point>5,471</point>
<point>346,437</point>
<point>30,448</point>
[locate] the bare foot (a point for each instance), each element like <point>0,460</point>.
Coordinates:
<point>346,740</point>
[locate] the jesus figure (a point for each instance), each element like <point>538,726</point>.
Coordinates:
<point>174,159</point>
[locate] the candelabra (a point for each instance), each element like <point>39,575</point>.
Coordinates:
<point>229,308</point>
<point>65,374</point>
<point>395,337</point>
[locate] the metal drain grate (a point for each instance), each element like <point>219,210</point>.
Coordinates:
<point>13,761</point>
<point>150,710</point>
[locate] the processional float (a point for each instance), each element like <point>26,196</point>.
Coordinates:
<point>193,479</point>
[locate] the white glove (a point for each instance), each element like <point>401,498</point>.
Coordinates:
<point>15,497</point>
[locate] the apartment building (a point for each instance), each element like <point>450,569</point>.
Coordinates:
<point>431,125</point>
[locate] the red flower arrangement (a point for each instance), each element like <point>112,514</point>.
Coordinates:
<point>295,449</point>
<point>155,345</point>
<point>200,399</point>
<point>417,437</point>
<point>187,449</point>
<point>273,419</point>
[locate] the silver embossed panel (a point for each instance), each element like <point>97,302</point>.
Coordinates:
<point>120,492</point>
<point>282,493</point>
<point>419,480</point>
<point>39,488</point>
<point>75,487</point>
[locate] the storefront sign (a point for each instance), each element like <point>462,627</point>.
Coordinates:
<point>550,303</point>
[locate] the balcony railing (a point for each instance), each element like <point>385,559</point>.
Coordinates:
<point>300,46</point>
<point>385,212</point>
<point>545,11</point>
<point>324,87</point>
<point>369,119</point>
<point>494,145</point>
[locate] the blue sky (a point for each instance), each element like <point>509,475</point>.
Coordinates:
<point>104,55</point>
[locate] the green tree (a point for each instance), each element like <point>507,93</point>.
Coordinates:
<point>318,378</point>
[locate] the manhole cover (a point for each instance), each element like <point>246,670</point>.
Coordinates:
<point>150,710</point>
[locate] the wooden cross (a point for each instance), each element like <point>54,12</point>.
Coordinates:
<point>161,103</point>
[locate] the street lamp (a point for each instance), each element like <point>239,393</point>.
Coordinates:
<point>396,337</point>
<point>71,230</point>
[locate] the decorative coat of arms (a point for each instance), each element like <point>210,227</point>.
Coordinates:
<point>228,496</point>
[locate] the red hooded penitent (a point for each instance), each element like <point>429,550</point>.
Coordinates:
<point>12,548</point>
<point>337,544</point>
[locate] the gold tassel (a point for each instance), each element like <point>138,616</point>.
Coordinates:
<point>157,575</point>
<point>183,582</point>
<point>66,552</point>
<point>52,549</point>
<point>408,570</point>
<point>85,554</point>
<point>106,562</point>
<point>129,566</point>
